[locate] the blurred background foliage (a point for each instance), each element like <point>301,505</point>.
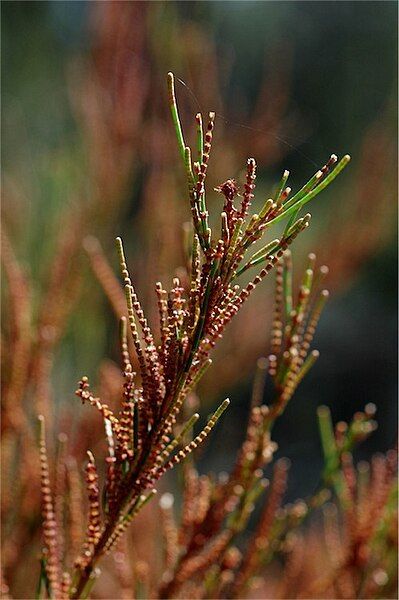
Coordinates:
<point>291,82</point>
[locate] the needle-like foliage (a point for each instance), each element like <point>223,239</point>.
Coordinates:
<point>146,436</point>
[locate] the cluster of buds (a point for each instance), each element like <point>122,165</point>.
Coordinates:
<point>145,438</point>
<point>215,511</point>
<point>52,575</point>
<point>360,531</point>
<point>94,521</point>
<point>293,329</point>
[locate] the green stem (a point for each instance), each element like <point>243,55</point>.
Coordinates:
<point>175,116</point>
<point>298,204</point>
<point>200,137</point>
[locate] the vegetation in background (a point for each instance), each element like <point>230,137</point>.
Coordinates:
<point>147,437</point>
